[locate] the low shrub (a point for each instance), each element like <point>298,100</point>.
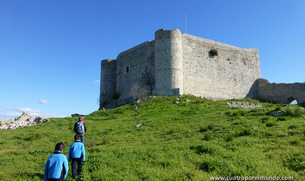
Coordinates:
<point>105,140</point>
<point>213,53</point>
<point>292,127</point>
<point>210,166</point>
<point>172,130</point>
<point>281,119</point>
<point>203,149</point>
<point>294,142</point>
<point>211,127</point>
<point>278,108</point>
<point>207,128</point>
<point>295,162</point>
<point>207,137</point>
<point>264,119</point>
<point>203,129</point>
<point>270,124</point>
<point>294,112</point>
<point>229,138</point>
<point>35,136</point>
<point>246,132</point>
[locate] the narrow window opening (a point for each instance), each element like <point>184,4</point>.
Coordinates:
<point>127,69</point>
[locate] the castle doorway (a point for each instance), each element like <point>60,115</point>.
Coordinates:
<point>292,100</point>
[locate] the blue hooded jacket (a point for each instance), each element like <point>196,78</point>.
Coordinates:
<point>77,150</point>
<point>56,164</point>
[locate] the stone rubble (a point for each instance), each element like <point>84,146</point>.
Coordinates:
<point>22,121</point>
<point>243,105</point>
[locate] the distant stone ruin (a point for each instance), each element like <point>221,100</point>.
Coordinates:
<point>22,121</point>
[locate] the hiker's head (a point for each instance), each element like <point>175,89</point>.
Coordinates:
<point>77,137</point>
<point>60,146</point>
<point>80,118</point>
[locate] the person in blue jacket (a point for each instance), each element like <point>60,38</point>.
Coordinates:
<point>56,168</point>
<point>77,155</point>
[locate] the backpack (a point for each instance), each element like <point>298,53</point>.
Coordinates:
<point>80,127</point>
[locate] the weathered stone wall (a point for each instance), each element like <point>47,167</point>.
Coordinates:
<point>133,67</point>
<point>230,74</point>
<point>108,83</point>
<point>281,93</point>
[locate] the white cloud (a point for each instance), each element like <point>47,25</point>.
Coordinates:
<point>44,102</point>
<point>11,113</point>
<point>27,110</point>
<point>96,82</point>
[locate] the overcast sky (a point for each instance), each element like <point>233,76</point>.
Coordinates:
<point>50,51</point>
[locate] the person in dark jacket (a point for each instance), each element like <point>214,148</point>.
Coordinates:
<point>80,128</point>
<point>77,155</point>
<point>56,168</point>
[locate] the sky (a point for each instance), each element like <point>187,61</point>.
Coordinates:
<point>50,51</point>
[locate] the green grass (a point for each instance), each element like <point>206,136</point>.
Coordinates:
<point>189,141</point>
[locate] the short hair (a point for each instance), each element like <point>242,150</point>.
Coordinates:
<point>60,146</point>
<point>77,137</point>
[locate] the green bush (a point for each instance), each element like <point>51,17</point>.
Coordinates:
<point>211,127</point>
<point>281,119</point>
<point>35,136</point>
<point>294,112</point>
<point>204,149</point>
<point>229,138</point>
<point>203,129</point>
<point>264,119</point>
<point>105,140</point>
<point>278,108</point>
<point>246,132</point>
<point>213,53</point>
<point>294,142</point>
<point>292,127</point>
<point>210,166</point>
<point>270,124</point>
<point>207,137</point>
<point>295,162</point>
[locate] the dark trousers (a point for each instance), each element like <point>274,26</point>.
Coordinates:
<point>76,166</point>
<point>83,139</point>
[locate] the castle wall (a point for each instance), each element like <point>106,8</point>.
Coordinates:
<point>168,63</point>
<point>281,93</point>
<point>230,74</point>
<point>108,83</point>
<point>134,66</point>
<point>175,64</point>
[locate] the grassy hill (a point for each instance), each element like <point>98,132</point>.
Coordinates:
<point>192,140</point>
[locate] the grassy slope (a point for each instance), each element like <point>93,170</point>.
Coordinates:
<point>192,140</point>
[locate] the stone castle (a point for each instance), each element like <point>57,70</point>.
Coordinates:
<point>174,64</point>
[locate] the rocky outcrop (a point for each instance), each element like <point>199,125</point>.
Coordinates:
<point>22,121</point>
<point>244,105</point>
